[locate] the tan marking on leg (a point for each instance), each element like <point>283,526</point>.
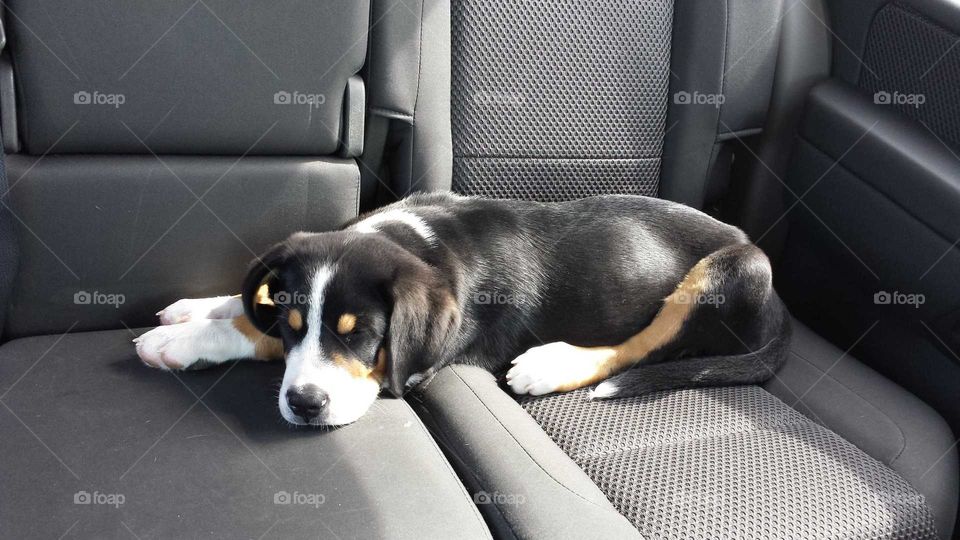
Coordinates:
<point>380,371</point>
<point>295,319</point>
<point>346,323</point>
<point>661,331</point>
<point>265,347</point>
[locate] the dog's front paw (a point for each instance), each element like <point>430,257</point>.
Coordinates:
<point>194,309</point>
<point>176,346</point>
<point>555,367</point>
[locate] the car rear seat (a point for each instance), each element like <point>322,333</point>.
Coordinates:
<point>157,149</point>
<point>555,101</point>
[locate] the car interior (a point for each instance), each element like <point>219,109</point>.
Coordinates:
<point>153,149</point>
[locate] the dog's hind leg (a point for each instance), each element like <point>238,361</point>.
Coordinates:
<point>725,305</point>
<point>751,367</point>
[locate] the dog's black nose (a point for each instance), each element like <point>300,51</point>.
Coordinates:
<point>307,402</point>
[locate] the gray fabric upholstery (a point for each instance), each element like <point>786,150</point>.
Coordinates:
<point>9,247</point>
<point>750,59</point>
<point>409,76</point>
<point>908,55</point>
<point>135,226</point>
<point>568,96</point>
<point>725,48</point>
<point>526,486</point>
<point>196,77</point>
<point>79,413</point>
<point>853,22</point>
<point>730,462</point>
<point>697,65</point>
<point>803,59</point>
<point>884,420</point>
<point>828,448</point>
<point>530,85</point>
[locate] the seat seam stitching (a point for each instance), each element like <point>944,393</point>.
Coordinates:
<point>391,113</point>
<point>525,451</point>
<point>416,99</point>
<point>903,438</point>
<point>449,468</point>
<point>445,439</point>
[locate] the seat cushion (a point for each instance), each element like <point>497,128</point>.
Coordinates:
<point>863,448</point>
<point>529,487</point>
<point>841,457</point>
<point>97,445</point>
<point>880,417</point>
<point>730,462</point>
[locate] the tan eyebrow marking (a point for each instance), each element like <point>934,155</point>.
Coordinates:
<point>263,295</point>
<point>295,318</point>
<point>346,324</point>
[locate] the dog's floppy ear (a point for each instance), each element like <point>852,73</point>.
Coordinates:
<point>261,281</point>
<point>424,321</point>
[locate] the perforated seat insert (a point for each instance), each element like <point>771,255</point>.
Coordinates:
<point>559,101</point>
<point>729,463</point>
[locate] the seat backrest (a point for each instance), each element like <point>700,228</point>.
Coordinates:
<point>157,148</point>
<point>559,100</point>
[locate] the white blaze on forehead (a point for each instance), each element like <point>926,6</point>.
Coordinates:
<point>349,396</point>
<point>396,215</point>
<point>318,290</point>
<point>303,359</point>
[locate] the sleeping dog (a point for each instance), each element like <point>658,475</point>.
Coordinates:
<point>634,293</point>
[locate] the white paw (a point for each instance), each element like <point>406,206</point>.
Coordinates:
<point>604,390</point>
<point>192,309</point>
<point>168,347</point>
<point>180,346</point>
<point>552,367</point>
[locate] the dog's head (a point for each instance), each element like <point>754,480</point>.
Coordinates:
<point>356,313</point>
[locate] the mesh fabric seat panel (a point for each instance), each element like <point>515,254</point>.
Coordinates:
<point>908,58</point>
<point>731,462</point>
<point>561,100</point>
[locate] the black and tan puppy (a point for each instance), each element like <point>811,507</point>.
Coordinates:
<point>635,293</point>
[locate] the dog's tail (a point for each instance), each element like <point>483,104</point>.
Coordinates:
<point>749,368</point>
